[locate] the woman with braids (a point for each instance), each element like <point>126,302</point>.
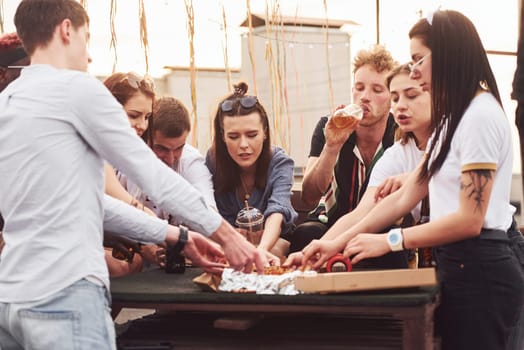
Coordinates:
<point>247,170</point>
<point>467,173</point>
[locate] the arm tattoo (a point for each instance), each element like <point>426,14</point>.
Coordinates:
<point>476,186</point>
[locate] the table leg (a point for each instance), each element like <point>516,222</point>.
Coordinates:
<point>115,310</point>
<point>418,329</point>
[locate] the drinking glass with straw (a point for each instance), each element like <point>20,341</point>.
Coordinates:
<point>251,220</point>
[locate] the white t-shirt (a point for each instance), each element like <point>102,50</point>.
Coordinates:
<point>56,127</point>
<point>397,159</point>
<point>192,167</point>
<point>482,141</point>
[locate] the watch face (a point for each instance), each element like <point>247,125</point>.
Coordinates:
<point>394,238</point>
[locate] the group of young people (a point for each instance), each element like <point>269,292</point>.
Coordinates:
<point>79,166</point>
<point>240,169</point>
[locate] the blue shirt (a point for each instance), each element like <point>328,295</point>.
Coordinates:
<point>274,198</point>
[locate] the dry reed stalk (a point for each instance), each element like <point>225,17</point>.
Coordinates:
<point>271,71</point>
<point>192,71</point>
<point>113,42</point>
<point>283,81</point>
<point>276,72</point>
<point>251,48</point>
<point>225,51</point>
<point>298,96</point>
<point>269,59</point>
<point>143,32</point>
<point>328,66</point>
<point>1,16</point>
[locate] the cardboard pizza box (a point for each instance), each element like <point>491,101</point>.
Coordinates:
<point>339,282</point>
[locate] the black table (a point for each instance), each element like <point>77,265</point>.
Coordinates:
<point>412,308</point>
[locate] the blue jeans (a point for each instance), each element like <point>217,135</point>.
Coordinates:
<point>77,317</point>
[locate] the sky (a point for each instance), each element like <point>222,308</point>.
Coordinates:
<point>168,36</point>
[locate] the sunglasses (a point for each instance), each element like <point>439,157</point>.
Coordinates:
<point>137,82</point>
<point>413,66</point>
<point>247,102</point>
<point>127,256</point>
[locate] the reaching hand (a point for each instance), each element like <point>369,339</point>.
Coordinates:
<point>204,253</point>
<point>318,252</point>
<point>294,260</point>
<point>271,258</point>
<point>366,245</point>
<point>123,246</point>
<point>241,255</point>
<point>154,254</point>
<point>390,185</point>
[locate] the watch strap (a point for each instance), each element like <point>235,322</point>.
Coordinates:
<point>399,244</point>
<point>182,239</point>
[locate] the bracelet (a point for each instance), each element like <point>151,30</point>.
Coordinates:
<point>182,239</point>
<point>403,241</point>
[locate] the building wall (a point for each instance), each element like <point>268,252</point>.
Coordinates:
<point>211,85</point>
<point>292,69</point>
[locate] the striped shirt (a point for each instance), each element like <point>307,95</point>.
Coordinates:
<point>350,174</point>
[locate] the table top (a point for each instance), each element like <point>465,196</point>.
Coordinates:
<point>157,287</point>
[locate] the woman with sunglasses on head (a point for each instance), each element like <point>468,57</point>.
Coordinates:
<point>411,108</point>
<point>467,173</point>
<point>136,95</point>
<point>247,170</point>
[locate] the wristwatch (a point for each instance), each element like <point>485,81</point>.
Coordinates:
<point>175,260</point>
<point>395,239</point>
<point>182,239</point>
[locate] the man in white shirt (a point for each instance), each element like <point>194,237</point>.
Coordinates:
<point>58,124</point>
<point>12,57</point>
<point>169,128</point>
<point>169,132</point>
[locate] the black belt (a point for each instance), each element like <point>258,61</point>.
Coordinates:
<point>492,234</point>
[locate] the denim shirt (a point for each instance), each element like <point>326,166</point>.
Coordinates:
<point>274,198</point>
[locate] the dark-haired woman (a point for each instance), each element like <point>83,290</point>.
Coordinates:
<point>247,169</point>
<point>467,173</point>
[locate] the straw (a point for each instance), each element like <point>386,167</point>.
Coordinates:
<point>248,217</point>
